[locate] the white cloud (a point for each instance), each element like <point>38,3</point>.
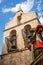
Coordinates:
<point>0,1</point>
<point>38,5</point>
<point>41,20</point>
<point>25,6</point>
<point>40,14</point>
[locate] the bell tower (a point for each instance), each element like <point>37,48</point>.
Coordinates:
<point>17,38</point>
<point>13,34</point>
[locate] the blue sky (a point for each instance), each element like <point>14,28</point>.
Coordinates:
<point>8,9</point>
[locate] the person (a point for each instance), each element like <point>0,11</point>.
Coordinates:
<point>38,37</point>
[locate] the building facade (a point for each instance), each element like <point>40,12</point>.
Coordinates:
<point>15,49</point>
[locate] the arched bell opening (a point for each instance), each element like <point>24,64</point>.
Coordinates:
<point>27,35</point>
<point>11,41</point>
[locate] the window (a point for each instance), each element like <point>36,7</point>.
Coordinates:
<point>11,41</point>
<point>27,35</point>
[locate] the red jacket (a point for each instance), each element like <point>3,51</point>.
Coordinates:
<point>39,44</point>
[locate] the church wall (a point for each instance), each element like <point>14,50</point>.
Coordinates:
<point>11,23</point>
<point>18,58</point>
<point>28,16</point>
<point>24,18</point>
<point>20,55</point>
<point>20,40</point>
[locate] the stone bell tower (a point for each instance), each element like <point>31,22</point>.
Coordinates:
<point>14,40</point>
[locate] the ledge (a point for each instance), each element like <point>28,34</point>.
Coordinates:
<point>20,24</point>
<point>16,51</point>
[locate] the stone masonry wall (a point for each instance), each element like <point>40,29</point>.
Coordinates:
<point>18,58</point>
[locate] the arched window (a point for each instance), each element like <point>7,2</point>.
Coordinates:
<point>27,35</point>
<point>13,39</point>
